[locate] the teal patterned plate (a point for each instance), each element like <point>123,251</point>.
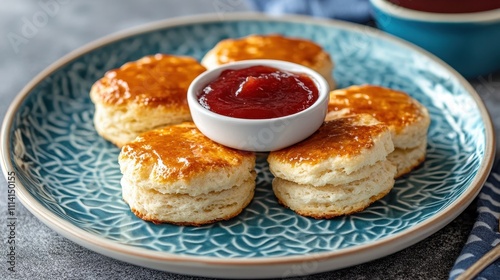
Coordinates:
<point>69,177</point>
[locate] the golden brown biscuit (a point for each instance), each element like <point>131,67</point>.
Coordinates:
<point>177,175</point>
<point>329,201</point>
<point>273,46</point>
<point>143,95</point>
<point>340,151</point>
<point>407,119</point>
<point>347,155</point>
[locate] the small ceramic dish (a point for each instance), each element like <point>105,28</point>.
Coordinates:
<point>259,135</point>
<point>469,42</point>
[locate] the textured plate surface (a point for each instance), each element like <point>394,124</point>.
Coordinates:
<point>69,176</point>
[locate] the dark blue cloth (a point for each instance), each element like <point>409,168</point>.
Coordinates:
<point>484,235</point>
<point>349,10</point>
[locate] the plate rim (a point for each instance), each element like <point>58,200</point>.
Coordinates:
<point>351,256</point>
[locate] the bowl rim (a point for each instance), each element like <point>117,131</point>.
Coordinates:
<point>319,80</point>
<point>406,13</point>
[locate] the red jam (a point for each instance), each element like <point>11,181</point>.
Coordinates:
<point>447,6</point>
<point>259,92</point>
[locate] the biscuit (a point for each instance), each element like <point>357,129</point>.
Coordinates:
<point>339,170</point>
<point>407,119</point>
<point>340,151</point>
<point>408,159</point>
<point>273,46</point>
<point>330,201</point>
<point>142,95</point>
<point>177,175</point>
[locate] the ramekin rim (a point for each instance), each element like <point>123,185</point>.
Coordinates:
<point>323,90</point>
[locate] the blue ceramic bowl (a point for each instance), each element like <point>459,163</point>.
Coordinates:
<point>469,42</point>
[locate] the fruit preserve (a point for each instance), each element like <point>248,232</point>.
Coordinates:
<point>259,92</point>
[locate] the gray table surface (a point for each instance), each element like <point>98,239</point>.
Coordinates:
<point>44,254</point>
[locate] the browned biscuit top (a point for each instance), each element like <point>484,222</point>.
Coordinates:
<point>272,46</point>
<point>341,137</point>
<point>180,152</point>
<point>150,81</point>
<point>394,108</point>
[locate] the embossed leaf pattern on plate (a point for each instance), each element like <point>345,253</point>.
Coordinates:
<point>70,170</point>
